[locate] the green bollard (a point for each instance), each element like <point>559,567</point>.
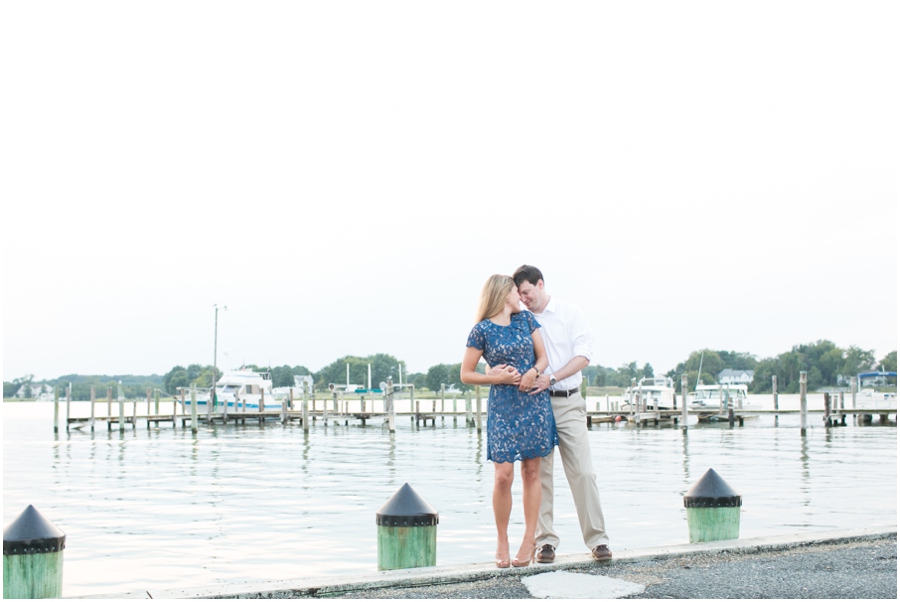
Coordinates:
<point>407,531</point>
<point>713,509</point>
<point>32,557</point>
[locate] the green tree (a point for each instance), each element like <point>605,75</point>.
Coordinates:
<point>436,376</point>
<point>174,378</point>
<point>889,362</point>
<point>858,360</point>
<point>383,365</point>
<point>647,372</point>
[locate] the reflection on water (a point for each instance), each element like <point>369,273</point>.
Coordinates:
<point>164,508</point>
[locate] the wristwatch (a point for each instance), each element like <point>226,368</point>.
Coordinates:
<point>552,379</point>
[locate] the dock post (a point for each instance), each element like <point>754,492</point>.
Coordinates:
<point>469,420</point>
<point>713,509</point>
<point>853,393</point>
<point>109,402</point>
<point>209,402</point>
<point>32,557</point>
<point>156,402</point>
<point>803,403</point>
<point>843,414</point>
<point>454,408</point>
<point>324,412</point>
<point>418,415</point>
<point>389,398</point>
<point>93,401</point>
<point>477,408</point>
<point>290,397</point>
<point>68,405</point>
<point>826,418</point>
<point>134,413</point>
<point>729,401</point>
<point>182,401</point>
<point>407,531</point>
<point>193,407</point>
<point>684,404</point>
<point>775,395</point>
<point>304,410</point>
<point>121,411</point>
<point>56,409</point>
<point>284,411</point>
<point>442,402</point>
<point>149,401</point>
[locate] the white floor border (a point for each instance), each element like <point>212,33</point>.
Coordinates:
<point>282,588</point>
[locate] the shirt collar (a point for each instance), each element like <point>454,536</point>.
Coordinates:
<point>551,306</point>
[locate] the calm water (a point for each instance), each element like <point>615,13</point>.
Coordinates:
<point>163,508</point>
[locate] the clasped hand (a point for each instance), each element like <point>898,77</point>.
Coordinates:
<point>508,375</point>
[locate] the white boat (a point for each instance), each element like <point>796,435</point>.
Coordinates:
<point>870,398</point>
<point>241,390</point>
<point>650,394</point>
<point>713,397</point>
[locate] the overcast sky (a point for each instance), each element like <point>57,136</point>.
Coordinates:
<point>344,176</point>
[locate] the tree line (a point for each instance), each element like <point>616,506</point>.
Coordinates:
<point>825,363</point>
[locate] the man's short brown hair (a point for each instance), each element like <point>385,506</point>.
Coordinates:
<point>529,273</point>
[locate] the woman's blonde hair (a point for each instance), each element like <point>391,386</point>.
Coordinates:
<point>493,295</point>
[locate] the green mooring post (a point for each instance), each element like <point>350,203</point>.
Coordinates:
<point>32,557</point>
<point>713,509</point>
<point>407,531</point>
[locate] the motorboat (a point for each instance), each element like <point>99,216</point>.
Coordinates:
<point>650,394</point>
<point>240,390</point>
<point>869,397</point>
<point>714,397</point>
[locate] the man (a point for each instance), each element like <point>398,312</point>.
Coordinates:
<point>569,344</point>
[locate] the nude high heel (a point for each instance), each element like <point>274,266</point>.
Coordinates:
<point>522,563</point>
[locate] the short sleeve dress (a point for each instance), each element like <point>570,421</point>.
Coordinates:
<point>519,425</point>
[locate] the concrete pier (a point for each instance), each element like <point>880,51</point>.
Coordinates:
<point>480,580</point>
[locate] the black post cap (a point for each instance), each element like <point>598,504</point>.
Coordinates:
<point>711,491</point>
<point>31,533</point>
<point>406,508</point>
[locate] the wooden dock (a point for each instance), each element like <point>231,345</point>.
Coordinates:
<point>338,410</point>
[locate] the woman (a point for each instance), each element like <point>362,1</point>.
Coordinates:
<point>520,423</point>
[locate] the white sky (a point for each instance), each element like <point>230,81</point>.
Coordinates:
<point>344,176</point>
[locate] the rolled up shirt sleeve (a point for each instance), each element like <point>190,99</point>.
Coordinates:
<point>581,335</point>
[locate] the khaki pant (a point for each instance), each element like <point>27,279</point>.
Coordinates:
<point>575,452</point>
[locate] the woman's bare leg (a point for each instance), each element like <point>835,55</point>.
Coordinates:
<point>502,499</point>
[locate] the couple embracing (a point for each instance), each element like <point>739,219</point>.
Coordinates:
<point>534,362</point>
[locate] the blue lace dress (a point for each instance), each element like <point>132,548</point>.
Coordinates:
<point>519,425</point>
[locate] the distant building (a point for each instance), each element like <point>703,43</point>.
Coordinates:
<point>35,391</point>
<point>735,377</point>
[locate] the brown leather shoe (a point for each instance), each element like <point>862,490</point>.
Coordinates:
<point>545,554</point>
<point>601,553</point>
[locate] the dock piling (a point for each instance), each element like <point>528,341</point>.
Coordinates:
<point>407,531</point>
<point>713,509</point>
<point>93,406</point>
<point>32,557</point>
<point>477,408</point>
<point>803,403</point>
<point>56,409</point>
<point>193,407</point>
<point>684,404</point>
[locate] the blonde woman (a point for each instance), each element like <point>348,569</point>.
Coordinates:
<point>520,424</point>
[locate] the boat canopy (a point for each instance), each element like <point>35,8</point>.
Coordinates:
<point>875,374</point>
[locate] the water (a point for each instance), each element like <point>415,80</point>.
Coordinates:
<point>162,508</point>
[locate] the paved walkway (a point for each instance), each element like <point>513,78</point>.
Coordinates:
<point>858,563</point>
